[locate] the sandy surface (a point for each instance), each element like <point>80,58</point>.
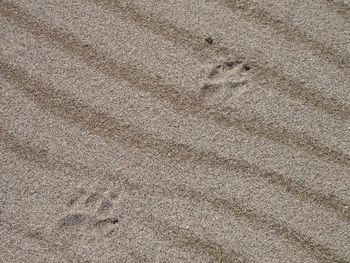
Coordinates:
<point>127,137</point>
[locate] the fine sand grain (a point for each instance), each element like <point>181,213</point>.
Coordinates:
<point>175,131</point>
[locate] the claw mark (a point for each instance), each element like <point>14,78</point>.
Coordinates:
<point>76,197</point>
<point>92,199</point>
<point>105,221</point>
<point>105,206</point>
<point>72,220</point>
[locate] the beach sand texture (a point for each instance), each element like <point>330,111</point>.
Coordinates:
<point>175,131</point>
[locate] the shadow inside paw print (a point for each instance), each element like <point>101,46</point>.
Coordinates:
<point>72,219</point>
<point>227,66</point>
<point>224,79</point>
<point>90,211</point>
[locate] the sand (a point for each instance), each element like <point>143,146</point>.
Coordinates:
<point>175,131</point>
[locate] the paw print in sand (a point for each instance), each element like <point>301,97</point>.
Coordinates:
<point>90,212</point>
<point>224,80</point>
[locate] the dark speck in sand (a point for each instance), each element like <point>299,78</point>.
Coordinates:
<point>210,40</point>
<point>246,67</point>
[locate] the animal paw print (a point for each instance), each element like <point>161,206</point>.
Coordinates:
<point>224,80</point>
<point>90,211</point>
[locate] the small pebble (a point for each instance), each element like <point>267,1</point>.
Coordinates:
<point>210,40</point>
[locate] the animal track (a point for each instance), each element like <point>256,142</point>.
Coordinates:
<point>223,80</point>
<point>92,211</point>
